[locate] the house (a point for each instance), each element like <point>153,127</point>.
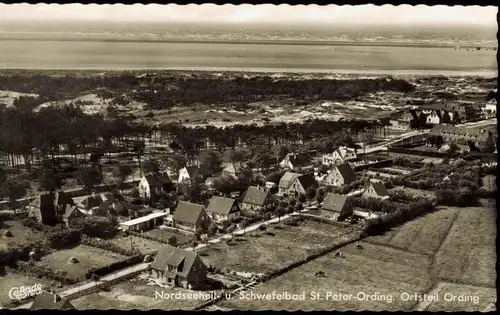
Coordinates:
<point>433,117</point>
<point>294,184</point>
<point>154,184</point>
<point>235,169</point>
<point>190,216</point>
<point>340,175</point>
<point>179,267</point>
<point>193,173</point>
<point>375,189</point>
<point>95,202</point>
<point>220,209</point>
<point>490,109</point>
<point>257,199</point>
<point>480,139</point>
<point>144,223</point>
<point>405,120</point>
<point>340,156</point>
<point>337,207</point>
<point>50,301</point>
<point>48,208</point>
<point>73,216</point>
<point>293,160</point>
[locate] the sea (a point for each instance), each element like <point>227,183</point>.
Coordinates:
<point>424,49</point>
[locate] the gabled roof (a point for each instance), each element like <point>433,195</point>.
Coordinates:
<point>307,180</point>
<point>97,200</point>
<point>157,179</point>
<point>174,257</point>
<point>346,172</point>
<point>236,168</point>
<point>194,170</point>
<point>46,300</point>
<point>188,212</point>
<point>70,210</point>
<point>334,202</point>
<point>287,179</point>
<point>472,134</point>
<point>256,196</point>
<point>379,188</point>
<point>220,205</point>
<point>298,159</point>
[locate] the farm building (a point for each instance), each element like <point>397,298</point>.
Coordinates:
<point>190,216</point>
<point>154,184</point>
<point>375,189</point>
<point>337,207</point>
<point>179,267</point>
<point>50,301</point>
<point>220,209</point>
<point>257,199</point>
<point>480,139</point>
<point>340,175</point>
<point>144,223</point>
<point>48,208</point>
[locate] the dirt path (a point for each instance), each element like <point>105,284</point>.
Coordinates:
<point>434,291</point>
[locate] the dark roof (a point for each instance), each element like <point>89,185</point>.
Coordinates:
<point>158,179</point>
<point>307,180</point>
<point>46,203</point>
<point>298,159</point>
<point>174,257</point>
<point>379,188</point>
<point>220,205</point>
<point>46,300</point>
<point>188,212</point>
<point>256,196</point>
<point>472,134</point>
<point>346,172</point>
<point>287,179</point>
<point>202,170</point>
<point>97,200</point>
<point>335,202</point>
<point>69,210</point>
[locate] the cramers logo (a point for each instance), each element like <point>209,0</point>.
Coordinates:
<point>21,293</point>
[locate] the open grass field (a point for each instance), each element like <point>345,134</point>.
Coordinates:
<point>134,242</point>
<point>473,299</point>
<point>423,235</point>
<point>468,253</point>
<point>11,280</point>
<point>375,269</point>
<point>87,256</point>
<point>136,294</point>
<point>20,234</point>
<point>267,252</point>
<point>165,234</point>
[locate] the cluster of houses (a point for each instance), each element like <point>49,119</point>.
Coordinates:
<point>416,117</point>
<point>467,138</point>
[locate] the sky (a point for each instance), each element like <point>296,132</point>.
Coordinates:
<point>333,14</point>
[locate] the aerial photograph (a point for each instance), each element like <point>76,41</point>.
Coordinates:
<point>248,157</point>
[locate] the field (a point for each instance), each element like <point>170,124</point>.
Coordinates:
<point>374,270</point>
<point>87,256</point>
<point>20,233</point>
<point>11,280</point>
<point>165,234</point>
<point>468,253</point>
<point>135,294</point>
<point>473,299</point>
<point>416,192</point>
<point>144,245</point>
<point>267,253</point>
<point>423,235</point>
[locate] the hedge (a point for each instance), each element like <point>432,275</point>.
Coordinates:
<point>117,265</point>
<point>156,239</point>
<point>45,273</point>
<point>109,246</point>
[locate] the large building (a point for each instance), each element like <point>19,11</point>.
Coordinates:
<point>475,138</point>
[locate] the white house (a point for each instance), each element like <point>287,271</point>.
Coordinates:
<point>223,209</point>
<point>340,175</point>
<point>154,184</point>
<point>340,156</point>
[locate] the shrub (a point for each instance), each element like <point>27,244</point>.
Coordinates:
<point>7,233</point>
<point>262,227</point>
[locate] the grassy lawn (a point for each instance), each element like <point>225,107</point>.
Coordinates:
<point>11,280</point>
<point>375,269</point>
<point>468,252</point>
<point>165,234</point>
<point>136,294</point>
<point>416,192</point>
<point>267,253</point>
<point>480,299</point>
<point>20,234</point>
<point>86,255</point>
<point>129,242</point>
